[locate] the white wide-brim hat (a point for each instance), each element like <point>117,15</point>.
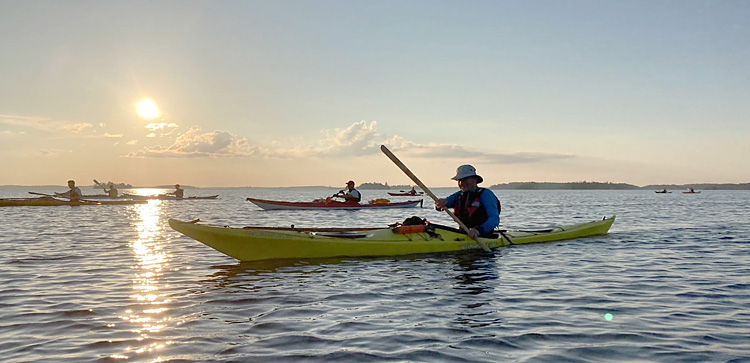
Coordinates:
<point>465,171</point>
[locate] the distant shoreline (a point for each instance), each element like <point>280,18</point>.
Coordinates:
<point>503,186</point>
<point>615,186</point>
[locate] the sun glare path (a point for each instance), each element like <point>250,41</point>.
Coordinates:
<point>147,109</point>
<point>150,313</point>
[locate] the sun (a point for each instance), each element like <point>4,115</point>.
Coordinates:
<point>147,109</point>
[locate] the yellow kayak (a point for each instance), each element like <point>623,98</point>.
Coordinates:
<point>47,202</point>
<point>263,243</point>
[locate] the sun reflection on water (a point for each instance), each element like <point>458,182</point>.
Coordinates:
<point>151,259</point>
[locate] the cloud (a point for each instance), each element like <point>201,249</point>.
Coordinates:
<point>8,133</point>
<point>52,152</point>
<point>78,128</point>
<point>56,128</point>
<point>448,151</point>
<point>28,122</point>
<point>161,126</point>
<point>108,135</point>
<point>359,139</point>
<point>195,143</point>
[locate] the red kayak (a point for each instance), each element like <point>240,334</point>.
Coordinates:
<point>329,204</point>
<point>407,194</point>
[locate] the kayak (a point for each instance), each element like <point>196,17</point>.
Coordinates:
<point>404,194</point>
<point>329,204</point>
<point>167,197</point>
<point>264,243</point>
<point>103,196</point>
<point>661,192</point>
<point>698,192</point>
<point>47,201</point>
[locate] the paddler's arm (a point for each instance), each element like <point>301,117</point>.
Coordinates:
<point>443,203</point>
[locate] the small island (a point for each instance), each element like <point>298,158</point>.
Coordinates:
<point>379,186</point>
<point>116,185</point>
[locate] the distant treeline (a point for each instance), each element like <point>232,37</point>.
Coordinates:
<point>117,185</point>
<point>584,185</point>
<point>128,186</point>
<point>382,186</point>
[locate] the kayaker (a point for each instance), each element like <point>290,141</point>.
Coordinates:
<point>477,207</point>
<point>350,195</point>
<point>112,191</point>
<point>178,192</point>
<point>74,193</point>
<point>412,191</point>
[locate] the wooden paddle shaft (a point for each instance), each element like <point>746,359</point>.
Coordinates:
<point>416,180</point>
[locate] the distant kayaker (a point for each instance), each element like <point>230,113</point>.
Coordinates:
<point>74,193</point>
<point>477,207</point>
<point>350,195</point>
<point>112,191</point>
<point>413,191</point>
<point>178,192</point>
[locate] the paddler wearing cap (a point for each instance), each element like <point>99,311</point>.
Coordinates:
<point>349,194</point>
<point>477,207</point>
<point>178,192</point>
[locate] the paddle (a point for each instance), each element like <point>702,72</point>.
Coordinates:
<point>416,180</point>
<point>59,196</point>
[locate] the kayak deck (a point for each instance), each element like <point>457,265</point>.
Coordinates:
<point>263,243</point>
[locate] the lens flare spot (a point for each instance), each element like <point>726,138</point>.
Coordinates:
<point>608,317</point>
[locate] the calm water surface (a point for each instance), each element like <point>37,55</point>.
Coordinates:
<point>670,283</point>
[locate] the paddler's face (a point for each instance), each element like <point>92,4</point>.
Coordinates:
<point>467,184</point>
<point>71,184</point>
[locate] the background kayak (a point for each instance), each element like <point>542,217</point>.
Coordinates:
<point>48,202</point>
<point>404,194</point>
<point>280,205</point>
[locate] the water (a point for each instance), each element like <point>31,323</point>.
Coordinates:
<point>670,283</point>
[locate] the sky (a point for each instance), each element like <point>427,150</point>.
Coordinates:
<point>303,92</point>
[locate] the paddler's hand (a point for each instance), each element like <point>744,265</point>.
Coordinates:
<point>473,233</point>
<point>440,204</point>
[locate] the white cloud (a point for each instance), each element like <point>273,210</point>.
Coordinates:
<point>78,128</point>
<point>28,122</point>
<point>161,126</point>
<point>108,135</point>
<point>55,128</point>
<point>359,139</point>
<point>52,152</point>
<point>194,143</point>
